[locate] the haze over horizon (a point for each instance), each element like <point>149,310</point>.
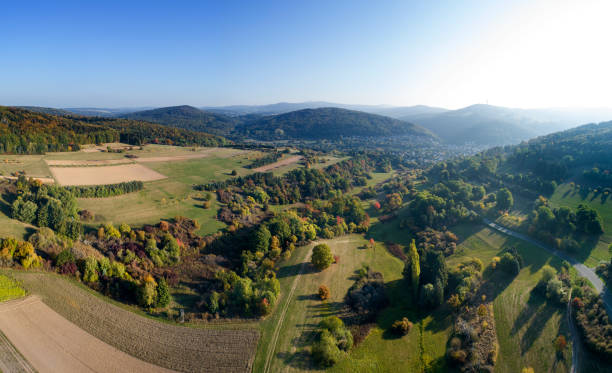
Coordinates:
<point>538,54</point>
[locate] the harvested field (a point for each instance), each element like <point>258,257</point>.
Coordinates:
<point>102,162</point>
<point>170,346</point>
<point>11,360</point>
<point>281,163</point>
<point>52,344</point>
<point>217,152</point>
<point>104,174</point>
<point>100,148</point>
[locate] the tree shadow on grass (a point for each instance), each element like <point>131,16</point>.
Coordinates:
<point>495,282</point>
<point>299,354</point>
<point>294,269</point>
<point>534,303</point>
<point>325,309</point>
<point>537,324</point>
<point>308,297</point>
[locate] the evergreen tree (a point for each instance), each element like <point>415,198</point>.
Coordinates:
<point>415,266</point>
<point>163,293</point>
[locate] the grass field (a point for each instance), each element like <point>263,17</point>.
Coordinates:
<point>565,195</point>
<point>526,324</point>
<point>379,350</point>
<point>165,199</point>
<point>209,347</point>
<point>10,289</point>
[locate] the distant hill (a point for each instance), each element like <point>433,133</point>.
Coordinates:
<point>46,110</point>
<point>328,123</point>
<point>401,112</point>
<point>103,112</point>
<point>494,125</point>
<point>186,117</point>
<point>286,107</point>
<point>28,132</point>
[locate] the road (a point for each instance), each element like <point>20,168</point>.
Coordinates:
<point>583,270</point>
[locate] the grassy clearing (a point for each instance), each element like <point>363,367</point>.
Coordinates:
<point>11,227</point>
<point>565,195</point>
<point>165,199</point>
<point>526,324</point>
<point>32,165</point>
<point>209,347</point>
<point>10,289</point>
<point>305,310</point>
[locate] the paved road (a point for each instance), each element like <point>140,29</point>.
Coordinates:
<point>583,270</point>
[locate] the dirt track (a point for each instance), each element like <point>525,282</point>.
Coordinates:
<point>104,174</point>
<point>281,163</point>
<point>51,343</point>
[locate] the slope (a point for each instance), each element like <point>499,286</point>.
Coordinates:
<point>186,117</point>
<point>328,123</point>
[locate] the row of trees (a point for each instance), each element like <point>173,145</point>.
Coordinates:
<point>266,159</point>
<point>102,191</point>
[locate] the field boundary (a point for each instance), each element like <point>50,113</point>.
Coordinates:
<point>163,344</point>
<point>9,352</point>
<point>281,319</point>
<point>278,164</point>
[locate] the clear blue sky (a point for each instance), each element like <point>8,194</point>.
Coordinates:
<point>447,53</point>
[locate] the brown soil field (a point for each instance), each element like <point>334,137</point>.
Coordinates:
<point>51,343</point>
<point>11,360</point>
<point>281,163</point>
<point>102,162</point>
<point>99,148</point>
<point>104,174</point>
<point>186,349</point>
<point>218,152</point>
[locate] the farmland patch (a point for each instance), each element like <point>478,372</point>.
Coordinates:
<point>104,175</point>
<point>51,343</point>
<point>215,348</point>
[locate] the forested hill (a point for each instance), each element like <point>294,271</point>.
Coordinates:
<point>328,123</point>
<point>582,154</point>
<point>186,117</point>
<point>28,132</point>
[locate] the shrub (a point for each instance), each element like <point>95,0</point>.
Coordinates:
<point>322,257</point>
<point>509,264</point>
<point>560,344</point>
<point>548,273</point>
<point>147,293</point>
<point>401,327</point>
<point>163,293</point>
<point>333,338</point>
<point>324,292</point>
<point>111,232</point>
<point>64,257</point>
<point>90,270</point>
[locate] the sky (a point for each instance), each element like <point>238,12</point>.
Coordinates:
<point>440,53</point>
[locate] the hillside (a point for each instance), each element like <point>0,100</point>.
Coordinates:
<point>186,117</point>
<point>28,132</point>
<point>47,110</point>
<point>328,123</point>
<point>494,125</point>
<point>285,107</point>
